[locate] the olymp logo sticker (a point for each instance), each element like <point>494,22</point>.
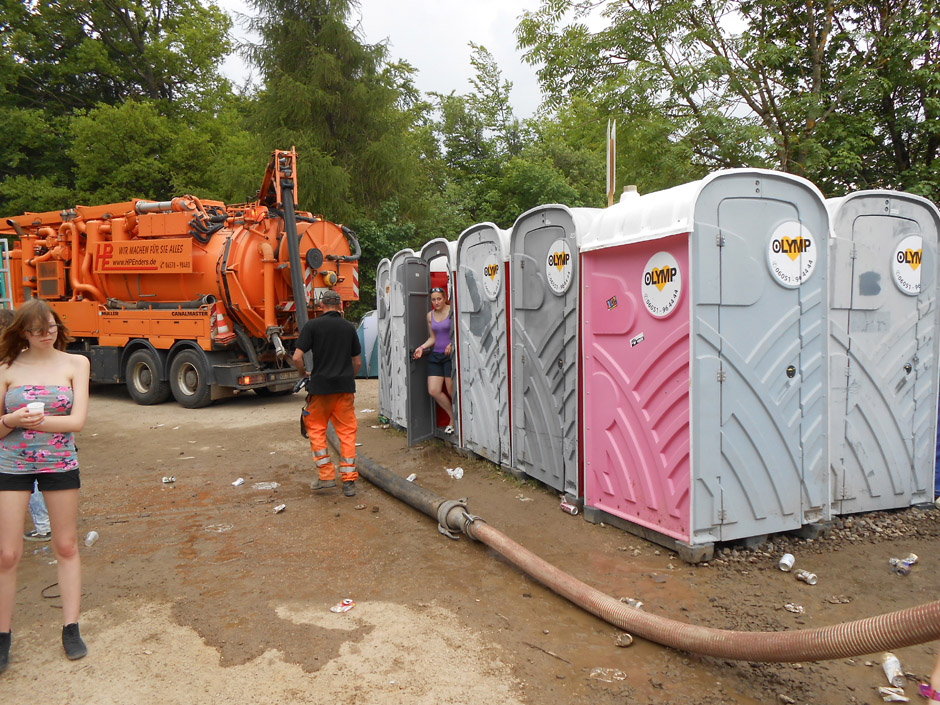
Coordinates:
<point>491,279</point>
<point>906,264</point>
<point>559,267</point>
<point>662,284</point>
<point>791,254</point>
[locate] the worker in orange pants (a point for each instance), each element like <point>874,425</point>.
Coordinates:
<point>339,409</point>
<point>331,390</point>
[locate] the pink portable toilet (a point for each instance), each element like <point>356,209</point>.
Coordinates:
<point>705,345</point>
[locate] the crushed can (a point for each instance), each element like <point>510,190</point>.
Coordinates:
<point>343,606</point>
<point>239,482</point>
<point>806,577</point>
<point>899,566</point>
<point>280,508</point>
<point>892,669</point>
<point>411,478</point>
<point>786,562</point>
<point>568,507</point>
<point>168,480</point>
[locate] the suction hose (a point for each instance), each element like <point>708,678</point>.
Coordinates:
<point>915,625</point>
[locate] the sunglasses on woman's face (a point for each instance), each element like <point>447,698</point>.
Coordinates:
<point>43,331</point>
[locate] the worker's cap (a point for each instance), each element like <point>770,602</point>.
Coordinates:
<point>331,298</point>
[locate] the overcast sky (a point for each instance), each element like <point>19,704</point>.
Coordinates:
<point>433,36</point>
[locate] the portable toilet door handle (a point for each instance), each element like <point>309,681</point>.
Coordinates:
<point>791,371</point>
<point>561,364</point>
<point>907,368</point>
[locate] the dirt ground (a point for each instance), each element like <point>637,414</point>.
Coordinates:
<point>197,592</point>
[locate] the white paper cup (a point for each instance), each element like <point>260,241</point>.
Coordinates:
<point>36,406</point>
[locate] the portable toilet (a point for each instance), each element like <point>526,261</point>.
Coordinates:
<point>483,341</point>
<point>383,286</point>
<point>433,267</point>
<point>397,349</point>
<point>367,330</point>
<point>705,346</point>
<point>543,253</point>
<point>884,350</point>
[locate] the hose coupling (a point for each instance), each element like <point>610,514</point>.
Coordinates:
<point>280,351</point>
<point>443,511</point>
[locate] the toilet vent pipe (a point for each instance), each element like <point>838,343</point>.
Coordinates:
<point>915,625</point>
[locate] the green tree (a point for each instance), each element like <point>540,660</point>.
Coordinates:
<point>66,65</point>
<point>813,88</point>
<point>336,100</point>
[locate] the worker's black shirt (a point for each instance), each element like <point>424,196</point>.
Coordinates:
<point>334,343</point>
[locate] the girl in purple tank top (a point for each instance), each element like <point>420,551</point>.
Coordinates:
<point>438,349</point>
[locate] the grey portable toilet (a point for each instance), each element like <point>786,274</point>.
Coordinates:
<point>884,341</point>
<point>543,253</point>
<point>705,344</point>
<point>398,332</point>
<point>383,286</point>
<point>483,341</point>
<point>437,256</point>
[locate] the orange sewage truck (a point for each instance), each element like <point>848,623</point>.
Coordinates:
<point>186,297</point>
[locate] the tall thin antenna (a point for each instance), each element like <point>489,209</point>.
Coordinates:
<point>611,161</point>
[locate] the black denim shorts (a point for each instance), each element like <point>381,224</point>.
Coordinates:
<point>48,481</point>
<point>439,365</point>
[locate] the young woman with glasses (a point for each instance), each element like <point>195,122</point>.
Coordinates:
<point>39,445</point>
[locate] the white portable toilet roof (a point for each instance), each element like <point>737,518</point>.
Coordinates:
<point>581,217</point>
<point>661,213</point>
<point>501,235</point>
<point>833,205</point>
<point>436,264</point>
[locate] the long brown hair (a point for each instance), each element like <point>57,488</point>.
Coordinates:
<point>34,313</point>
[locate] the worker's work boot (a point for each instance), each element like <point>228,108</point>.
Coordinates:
<point>319,484</point>
<point>349,488</point>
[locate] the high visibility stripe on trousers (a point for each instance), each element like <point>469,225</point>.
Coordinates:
<point>338,409</point>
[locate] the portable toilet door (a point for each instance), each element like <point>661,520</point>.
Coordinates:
<point>483,341</point>
<point>705,361</point>
<point>398,351</point>
<point>368,337</point>
<point>420,405</point>
<point>441,256</point>
<point>544,281</point>
<point>884,320</point>
<point>383,287</point>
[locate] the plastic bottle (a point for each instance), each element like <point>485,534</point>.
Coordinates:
<point>91,538</point>
<point>892,668</point>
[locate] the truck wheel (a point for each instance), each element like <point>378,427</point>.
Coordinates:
<point>189,379</point>
<point>142,377</point>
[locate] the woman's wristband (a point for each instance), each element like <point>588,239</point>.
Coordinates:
<point>3,420</point>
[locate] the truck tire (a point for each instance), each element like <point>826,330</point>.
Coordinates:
<point>189,379</point>
<point>142,377</point>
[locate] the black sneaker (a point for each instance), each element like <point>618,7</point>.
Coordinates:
<point>319,484</point>
<point>72,641</point>
<point>5,639</point>
<point>349,488</point>
<point>37,536</point>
